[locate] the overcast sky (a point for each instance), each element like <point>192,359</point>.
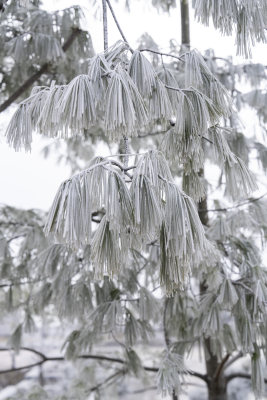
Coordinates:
<point>29,180</point>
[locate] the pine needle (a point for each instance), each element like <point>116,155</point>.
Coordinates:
<point>125,109</point>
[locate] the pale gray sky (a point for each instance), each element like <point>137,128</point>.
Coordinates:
<point>30,181</point>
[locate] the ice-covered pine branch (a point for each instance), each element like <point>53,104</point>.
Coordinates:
<point>46,47</point>
<point>246,18</point>
<point>124,95</point>
<point>150,207</point>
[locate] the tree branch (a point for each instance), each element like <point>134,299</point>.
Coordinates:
<point>166,336</point>
<point>220,367</point>
<point>97,357</point>
<point>146,389</point>
<point>107,380</point>
<point>165,330</point>
<point>118,25</point>
<point>152,134</point>
<point>44,68</point>
<point>38,353</point>
<point>244,203</point>
<point>243,286</point>
<point>240,375</point>
<point>104,164</point>
<point>163,54</point>
<point>105,24</point>
<point>18,283</point>
<point>234,359</point>
<point>185,28</point>
<point>44,359</point>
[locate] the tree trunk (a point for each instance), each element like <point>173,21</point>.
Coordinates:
<point>185,27</point>
<point>44,68</point>
<point>217,386</point>
<point>218,391</point>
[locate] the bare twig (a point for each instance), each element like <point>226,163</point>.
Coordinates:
<point>234,359</point>
<point>243,285</point>
<point>221,367</point>
<point>18,283</point>
<point>142,390</point>
<point>166,333</point>
<point>126,151</point>
<point>152,134</point>
<point>118,25</point>
<point>174,88</point>
<point>103,164</point>
<point>252,200</point>
<point>126,145</point>
<point>16,237</point>
<point>146,389</point>
<point>239,375</point>
<point>207,139</point>
<point>123,169</point>
<point>97,357</point>
<point>108,380</point>
<point>166,336</point>
<point>163,54</point>
<point>105,24</point>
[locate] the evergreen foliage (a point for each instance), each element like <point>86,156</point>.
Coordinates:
<point>31,37</point>
<point>127,247</point>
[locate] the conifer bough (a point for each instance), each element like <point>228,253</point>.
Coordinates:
<point>123,230</point>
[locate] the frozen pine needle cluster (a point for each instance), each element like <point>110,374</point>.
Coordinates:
<point>123,93</point>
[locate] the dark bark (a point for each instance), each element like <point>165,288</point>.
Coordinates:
<point>185,23</point>
<point>218,390</point>
<point>105,24</point>
<point>166,335</point>
<point>44,68</point>
<point>217,384</point>
<point>100,357</point>
<point>216,381</point>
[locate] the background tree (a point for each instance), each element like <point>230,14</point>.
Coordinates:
<point>37,46</point>
<point>132,252</point>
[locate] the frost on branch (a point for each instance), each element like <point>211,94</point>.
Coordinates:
<point>149,208</point>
